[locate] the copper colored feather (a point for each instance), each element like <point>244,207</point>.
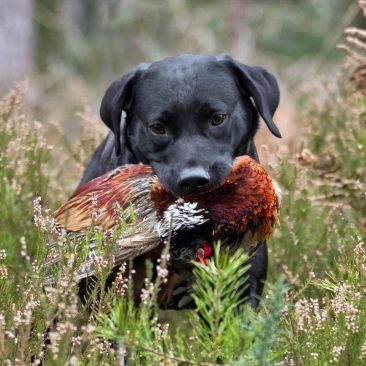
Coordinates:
<point>245,208</point>
<point>242,211</point>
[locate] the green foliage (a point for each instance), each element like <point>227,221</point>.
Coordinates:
<point>222,330</point>
<point>23,155</point>
<point>320,246</point>
<point>331,328</point>
<point>301,33</point>
<point>223,280</point>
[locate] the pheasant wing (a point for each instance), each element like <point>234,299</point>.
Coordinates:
<point>121,199</point>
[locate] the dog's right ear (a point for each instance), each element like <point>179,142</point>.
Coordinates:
<point>118,98</point>
<point>260,85</point>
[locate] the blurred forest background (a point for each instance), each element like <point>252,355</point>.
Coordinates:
<point>69,51</point>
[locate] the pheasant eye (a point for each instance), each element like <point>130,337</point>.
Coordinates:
<point>158,129</point>
<point>218,119</point>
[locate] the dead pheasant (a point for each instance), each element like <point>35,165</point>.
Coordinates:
<point>240,212</point>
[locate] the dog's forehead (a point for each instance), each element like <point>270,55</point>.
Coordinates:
<point>183,79</point>
<point>184,69</point>
<point>180,65</point>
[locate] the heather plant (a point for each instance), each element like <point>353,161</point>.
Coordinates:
<point>322,251</point>
<point>23,157</point>
<point>324,186</point>
<point>27,308</point>
<point>330,328</point>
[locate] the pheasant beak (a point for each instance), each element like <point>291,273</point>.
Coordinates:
<point>204,253</point>
<point>201,257</point>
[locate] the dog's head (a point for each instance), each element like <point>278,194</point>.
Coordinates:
<point>189,116</point>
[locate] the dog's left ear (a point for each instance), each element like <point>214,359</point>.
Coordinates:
<point>259,84</point>
<point>118,98</point>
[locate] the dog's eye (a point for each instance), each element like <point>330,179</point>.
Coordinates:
<point>218,119</point>
<point>158,129</point>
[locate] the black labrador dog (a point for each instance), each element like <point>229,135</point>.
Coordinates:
<point>188,116</point>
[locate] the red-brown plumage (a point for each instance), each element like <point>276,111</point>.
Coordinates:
<point>95,202</point>
<point>243,211</point>
<point>247,200</point>
<point>246,203</point>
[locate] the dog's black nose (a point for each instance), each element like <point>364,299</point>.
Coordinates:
<point>193,179</point>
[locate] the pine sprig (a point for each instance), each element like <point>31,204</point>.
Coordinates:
<point>223,330</point>
<point>218,294</point>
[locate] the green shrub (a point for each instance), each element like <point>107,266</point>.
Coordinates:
<point>222,331</point>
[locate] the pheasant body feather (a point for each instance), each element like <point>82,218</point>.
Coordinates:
<point>240,212</point>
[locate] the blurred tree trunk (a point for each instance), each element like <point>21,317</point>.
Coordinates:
<point>16,41</point>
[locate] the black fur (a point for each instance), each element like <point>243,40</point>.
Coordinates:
<point>182,95</point>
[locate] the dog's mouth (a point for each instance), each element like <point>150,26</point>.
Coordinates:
<point>197,190</point>
<point>193,185</point>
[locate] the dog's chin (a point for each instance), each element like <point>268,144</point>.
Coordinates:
<point>198,191</point>
<point>182,192</point>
